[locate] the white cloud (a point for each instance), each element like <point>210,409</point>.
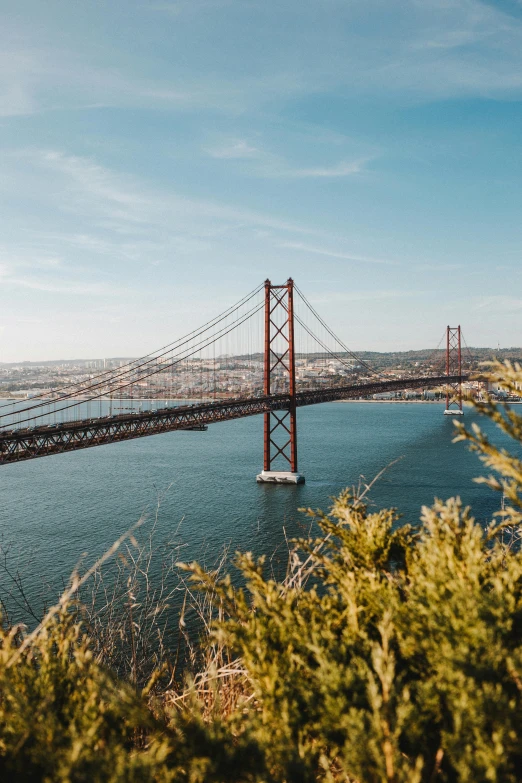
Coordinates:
<point>499,304</point>
<point>20,260</point>
<point>422,50</point>
<point>100,223</point>
<point>15,101</point>
<point>277,168</point>
<point>178,7</point>
<point>36,78</point>
<point>80,288</point>
<point>234,149</point>
<point>132,205</point>
<point>267,164</point>
<point>363,296</point>
<point>18,268</point>
<point>323,251</point>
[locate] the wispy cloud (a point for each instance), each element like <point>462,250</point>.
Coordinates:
<point>80,289</point>
<point>105,227</point>
<point>323,251</point>
<point>338,297</point>
<point>177,7</point>
<point>429,50</point>
<point>451,39</point>
<point>440,267</point>
<point>234,149</point>
<point>341,169</point>
<point>15,101</point>
<point>267,164</point>
<point>27,269</point>
<point>36,79</point>
<point>21,259</point>
<point>117,197</point>
<point>499,304</point>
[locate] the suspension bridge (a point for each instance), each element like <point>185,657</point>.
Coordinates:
<point>269,354</point>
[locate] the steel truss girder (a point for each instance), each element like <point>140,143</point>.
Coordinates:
<point>19,445</point>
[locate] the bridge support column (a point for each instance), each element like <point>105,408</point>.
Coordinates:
<point>453,368</point>
<point>280,433</point>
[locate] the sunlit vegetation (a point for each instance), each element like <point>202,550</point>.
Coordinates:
<point>388,653</point>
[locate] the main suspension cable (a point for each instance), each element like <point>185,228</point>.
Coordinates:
<point>135,367</point>
<point>199,347</point>
<point>134,364</point>
<point>332,334</point>
<point>323,345</point>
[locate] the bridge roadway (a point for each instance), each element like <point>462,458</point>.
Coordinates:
<point>46,439</point>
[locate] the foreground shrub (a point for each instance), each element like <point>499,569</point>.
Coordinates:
<point>62,717</point>
<point>401,660</point>
<point>387,654</point>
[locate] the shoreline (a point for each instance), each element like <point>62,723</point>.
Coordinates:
<point>418,402</point>
<point>394,402</point>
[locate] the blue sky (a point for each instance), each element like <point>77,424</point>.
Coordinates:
<point>159,159</point>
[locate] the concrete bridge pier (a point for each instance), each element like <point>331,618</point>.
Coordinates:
<point>279,477</point>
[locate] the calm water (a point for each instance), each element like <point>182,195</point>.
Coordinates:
<point>54,509</point>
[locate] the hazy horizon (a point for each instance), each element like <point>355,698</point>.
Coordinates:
<point>358,351</point>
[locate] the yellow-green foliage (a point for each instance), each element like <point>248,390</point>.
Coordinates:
<point>387,654</point>
<point>404,659</point>
<point>62,718</point>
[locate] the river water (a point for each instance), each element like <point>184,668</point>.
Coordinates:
<point>53,510</point>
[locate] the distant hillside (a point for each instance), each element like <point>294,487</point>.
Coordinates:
<point>375,358</point>
<point>65,362</point>
<point>408,358</point>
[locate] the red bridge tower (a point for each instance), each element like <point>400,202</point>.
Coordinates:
<point>454,367</point>
<point>280,440</point>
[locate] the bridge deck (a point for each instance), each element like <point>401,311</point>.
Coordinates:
<point>23,444</point>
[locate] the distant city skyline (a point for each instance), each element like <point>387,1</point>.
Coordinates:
<point>511,352</point>
<point>161,159</point>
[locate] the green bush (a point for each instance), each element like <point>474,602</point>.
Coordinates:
<point>387,654</point>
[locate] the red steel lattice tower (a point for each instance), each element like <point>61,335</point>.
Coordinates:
<point>453,368</point>
<point>280,427</point>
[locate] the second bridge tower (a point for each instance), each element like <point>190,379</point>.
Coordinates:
<point>280,434</point>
